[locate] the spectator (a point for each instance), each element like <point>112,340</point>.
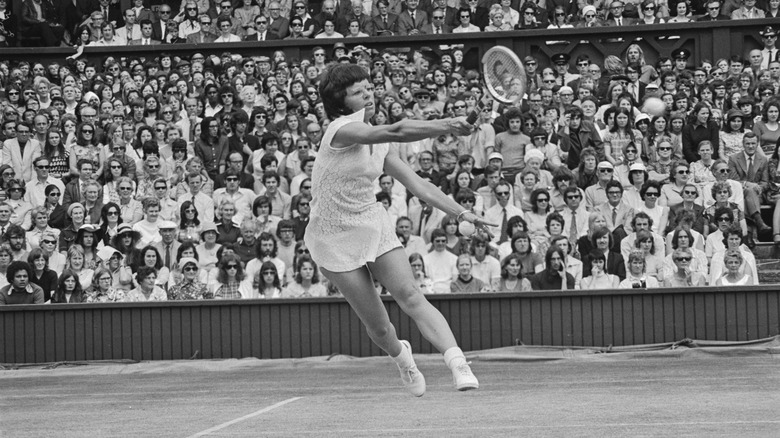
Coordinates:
<point>752,171</point>
<point>20,290</point>
<point>230,283</point>
<point>440,263</point>
<point>554,277</point>
<point>147,289</point>
<point>636,278</point>
<point>69,289</point>
<point>306,281</point>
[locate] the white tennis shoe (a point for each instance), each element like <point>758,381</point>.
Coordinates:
<point>463,378</point>
<point>412,377</point>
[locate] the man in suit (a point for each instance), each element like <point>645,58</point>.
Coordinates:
<point>160,25</point>
<point>479,14</point>
<point>752,170</point>
<point>713,12</point>
<point>425,218</point>
<point>356,13</point>
<point>278,25</point>
<point>437,26</point>
<point>262,34</point>
<point>20,152</point>
<point>142,13</point>
<point>748,11</point>
<point>617,212</point>
<point>146,35</point>
<point>112,12</point>
<point>770,52</point>
<point>168,247</point>
<point>40,18</point>
<point>385,23</point>
<point>130,31</point>
<point>411,21</point>
<point>74,189</point>
<point>635,87</point>
<point>451,17</point>
<point>616,9</point>
<point>204,35</point>
<point>501,212</point>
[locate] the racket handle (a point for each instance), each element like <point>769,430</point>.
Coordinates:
<point>472,118</point>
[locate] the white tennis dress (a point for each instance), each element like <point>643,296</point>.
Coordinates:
<point>348,227</point>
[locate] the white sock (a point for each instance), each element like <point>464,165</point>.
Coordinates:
<point>454,357</point>
<point>404,358</point>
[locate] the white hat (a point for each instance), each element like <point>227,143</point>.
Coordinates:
<point>185,260</point>
<point>533,153</point>
<point>637,167</point>
<point>605,165</point>
<point>166,225</point>
<point>106,252</point>
<point>588,8</point>
<point>495,155</point>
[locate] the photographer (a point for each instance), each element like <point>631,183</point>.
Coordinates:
<point>636,278</point>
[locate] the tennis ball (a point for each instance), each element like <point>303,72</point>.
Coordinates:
<point>654,106</point>
<point>466,228</point>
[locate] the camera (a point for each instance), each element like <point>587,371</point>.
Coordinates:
<point>639,285</point>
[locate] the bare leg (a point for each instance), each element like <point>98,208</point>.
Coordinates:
<point>392,269</point>
<point>358,289</point>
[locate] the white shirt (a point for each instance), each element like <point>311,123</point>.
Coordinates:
<point>441,267</point>
<point>35,190</point>
<point>242,198</point>
<point>495,214</point>
<point>203,203</point>
<point>228,39</point>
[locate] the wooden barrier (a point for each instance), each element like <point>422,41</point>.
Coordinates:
<point>313,327</point>
<point>706,40</point>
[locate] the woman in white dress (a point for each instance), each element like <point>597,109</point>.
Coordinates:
<point>349,232</point>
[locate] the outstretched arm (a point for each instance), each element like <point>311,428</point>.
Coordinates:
<point>403,131</point>
<point>427,191</point>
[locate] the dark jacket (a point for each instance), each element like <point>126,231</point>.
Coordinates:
<point>574,143</point>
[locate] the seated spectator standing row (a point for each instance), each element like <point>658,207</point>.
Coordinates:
<point>174,178</point>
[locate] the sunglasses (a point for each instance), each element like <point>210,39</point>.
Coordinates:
<point>655,194</point>
<point>502,193</point>
<point>43,167</point>
<point>303,251</point>
<point>48,242</point>
<point>682,172</point>
<point>683,259</point>
<point>231,266</point>
<point>724,219</point>
<point>193,269</point>
<point>573,197</point>
<point>54,194</point>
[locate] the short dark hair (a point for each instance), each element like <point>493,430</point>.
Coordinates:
<point>333,87</point>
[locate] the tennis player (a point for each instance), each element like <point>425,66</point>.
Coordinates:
<point>351,236</point>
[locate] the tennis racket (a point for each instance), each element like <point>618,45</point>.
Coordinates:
<point>504,75</point>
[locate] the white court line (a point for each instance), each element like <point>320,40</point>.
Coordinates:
<point>245,417</point>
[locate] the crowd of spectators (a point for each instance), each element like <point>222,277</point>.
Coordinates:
<point>190,177</point>
<point>132,22</point>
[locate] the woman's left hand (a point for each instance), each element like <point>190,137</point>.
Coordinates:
<point>480,223</point>
<point>460,126</point>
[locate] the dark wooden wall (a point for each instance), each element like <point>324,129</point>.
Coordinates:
<point>313,327</point>
<point>705,40</point>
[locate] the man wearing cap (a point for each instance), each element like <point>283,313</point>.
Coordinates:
<point>168,246</point>
<point>596,194</point>
<point>561,61</point>
<point>769,52</point>
<point>680,57</point>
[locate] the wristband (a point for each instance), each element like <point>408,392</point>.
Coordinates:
<point>457,218</point>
